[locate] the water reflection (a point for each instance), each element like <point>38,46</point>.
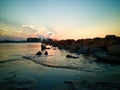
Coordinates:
<point>23,69</point>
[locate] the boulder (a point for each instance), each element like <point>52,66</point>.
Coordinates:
<point>99,50</point>
<point>61,47</point>
<point>114,49</point>
<point>70,56</point>
<point>43,47</point>
<point>107,58</point>
<point>83,50</point>
<point>39,53</point>
<point>46,53</point>
<point>87,42</point>
<point>99,43</point>
<point>74,48</point>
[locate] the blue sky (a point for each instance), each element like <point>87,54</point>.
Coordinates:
<point>64,18</point>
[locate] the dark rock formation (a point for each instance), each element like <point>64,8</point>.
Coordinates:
<point>43,47</point>
<point>99,43</point>
<point>85,85</point>
<point>114,49</point>
<point>83,50</point>
<point>39,53</point>
<point>104,48</point>
<point>107,58</point>
<point>70,56</point>
<point>46,53</point>
<point>94,50</point>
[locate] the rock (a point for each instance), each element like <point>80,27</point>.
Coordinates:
<point>110,36</point>
<point>94,50</point>
<point>107,58</point>
<point>85,85</point>
<point>114,49</point>
<point>39,53</point>
<point>83,50</point>
<point>99,43</point>
<point>86,42</point>
<point>54,48</point>
<point>43,47</point>
<point>46,53</point>
<point>74,48</point>
<point>61,47</point>
<point>70,56</point>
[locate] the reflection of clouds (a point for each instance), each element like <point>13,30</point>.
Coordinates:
<point>2,31</point>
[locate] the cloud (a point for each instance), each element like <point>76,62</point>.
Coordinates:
<point>27,31</point>
<point>2,31</point>
<point>49,34</point>
<point>28,27</point>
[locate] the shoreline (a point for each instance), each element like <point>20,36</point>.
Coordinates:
<point>107,49</point>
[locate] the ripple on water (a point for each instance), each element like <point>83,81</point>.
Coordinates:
<point>81,64</point>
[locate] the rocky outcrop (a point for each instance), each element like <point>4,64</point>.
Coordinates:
<point>114,49</point>
<point>43,47</point>
<point>107,58</point>
<point>39,53</point>
<point>70,56</point>
<point>99,43</point>
<point>94,50</point>
<point>90,85</point>
<point>83,50</point>
<point>46,53</point>
<point>104,48</point>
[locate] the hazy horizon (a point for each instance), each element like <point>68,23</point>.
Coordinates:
<point>59,19</point>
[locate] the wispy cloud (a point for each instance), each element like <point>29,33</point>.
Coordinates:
<point>2,31</point>
<point>33,31</point>
<point>26,31</point>
<point>49,34</point>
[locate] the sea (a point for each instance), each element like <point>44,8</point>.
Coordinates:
<point>22,69</point>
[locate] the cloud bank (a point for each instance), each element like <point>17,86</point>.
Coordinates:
<point>27,31</point>
<point>2,31</point>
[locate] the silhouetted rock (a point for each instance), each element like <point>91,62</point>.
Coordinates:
<point>110,36</point>
<point>83,50</point>
<point>61,47</point>
<point>114,49</point>
<point>86,42</point>
<point>46,53</point>
<point>91,85</point>
<point>99,43</point>
<point>43,47</point>
<point>107,58</point>
<point>103,48</point>
<point>70,56</point>
<point>74,48</point>
<point>94,50</point>
<point>39,53</point>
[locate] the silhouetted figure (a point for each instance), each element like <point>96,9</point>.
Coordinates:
<point>46,53</point>
<point>39,53</point>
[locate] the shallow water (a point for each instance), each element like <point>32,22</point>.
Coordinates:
<point>21,68</point>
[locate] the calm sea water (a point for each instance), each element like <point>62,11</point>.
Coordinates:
<point>21,69</point>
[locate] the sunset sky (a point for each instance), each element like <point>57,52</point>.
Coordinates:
<point>59,19</point>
